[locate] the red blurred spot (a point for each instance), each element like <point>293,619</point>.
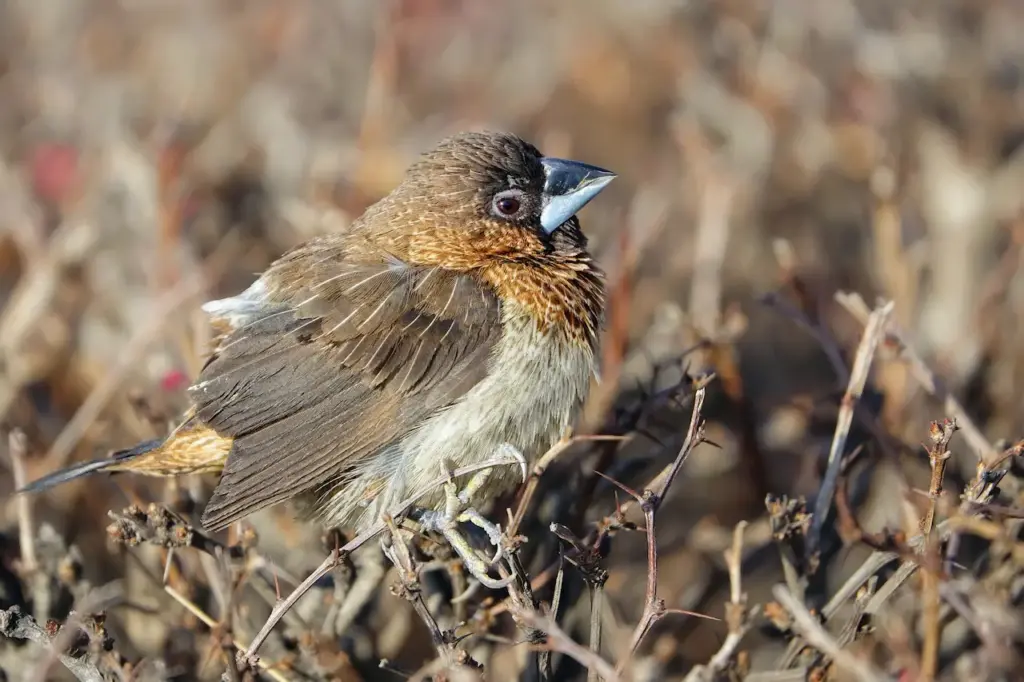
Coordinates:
<point>174,380</point>
<point>190,207</point>
<point>54,168</point>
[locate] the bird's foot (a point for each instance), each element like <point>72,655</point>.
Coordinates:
<point>475,565</point>
<point>458,509</point>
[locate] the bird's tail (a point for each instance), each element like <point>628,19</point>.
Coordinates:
<point>112,463</point>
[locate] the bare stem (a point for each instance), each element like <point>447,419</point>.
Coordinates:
<point>596,622</point>
<point>398,553</point>
<point>17,447</point>
<point>873,333</point>
<point>982,448</point>
<point>558,640</point>
<point>534,479</point>
<point>815,634</point>
<point>938,454</point>
<point>736,615</point>
<point>650,500</point>
<point>208,620</point>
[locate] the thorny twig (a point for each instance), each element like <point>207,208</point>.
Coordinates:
<point>872,565</point>
<point>533,480</point>
<point>521,599</point>
<point>587,558</point>
<point>650,500</point>
<point>210,622</point>
<point>873,332</point>
<point>162,527</point>
<point>558,640</point>
<point>538,470</point>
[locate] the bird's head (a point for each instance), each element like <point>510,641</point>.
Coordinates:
<point>493,205</point>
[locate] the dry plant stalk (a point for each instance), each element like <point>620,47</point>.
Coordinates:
<point>982,448</point>
<point>410,590</point>
<point>874,330</point>
<point>650,500</point>
<point>737,617</point>
<point>938,455</point>
<point>811,630</point>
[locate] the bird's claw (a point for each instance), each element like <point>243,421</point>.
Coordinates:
<point>448,526</point>
<point>514,455</point>
<point>457,510</point>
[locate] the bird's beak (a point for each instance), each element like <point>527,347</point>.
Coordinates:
<point>568,186</point>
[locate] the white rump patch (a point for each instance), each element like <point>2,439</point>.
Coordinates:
<point>241,309</point>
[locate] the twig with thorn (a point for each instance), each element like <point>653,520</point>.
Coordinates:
<point>534,479</point>
<point>587,558</point>
<point>650,500</point>
<point>210,622</point>
<point>521,599</point>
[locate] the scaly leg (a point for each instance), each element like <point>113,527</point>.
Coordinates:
<point>458,509</point>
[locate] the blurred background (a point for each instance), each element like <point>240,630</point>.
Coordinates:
<point>155,154</point>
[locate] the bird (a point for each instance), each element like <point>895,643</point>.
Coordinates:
<point>456,319</point>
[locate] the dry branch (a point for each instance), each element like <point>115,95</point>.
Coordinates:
<point>873,333</point>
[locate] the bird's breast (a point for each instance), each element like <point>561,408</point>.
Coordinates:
<point>535,385</point>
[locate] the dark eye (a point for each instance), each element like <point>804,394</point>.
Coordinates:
<point>507,204</point>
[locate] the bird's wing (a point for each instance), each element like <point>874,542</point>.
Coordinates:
<point>353,359</point>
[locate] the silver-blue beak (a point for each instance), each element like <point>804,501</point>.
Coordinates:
<point>568,186</point>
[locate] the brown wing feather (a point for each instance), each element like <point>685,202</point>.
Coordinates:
<point>321,379</point>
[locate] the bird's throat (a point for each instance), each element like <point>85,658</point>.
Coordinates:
<point>565,298</point>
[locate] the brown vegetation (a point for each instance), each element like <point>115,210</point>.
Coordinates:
<point>815,334</point>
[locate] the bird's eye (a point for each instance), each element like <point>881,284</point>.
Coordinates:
<point>507,204</point>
